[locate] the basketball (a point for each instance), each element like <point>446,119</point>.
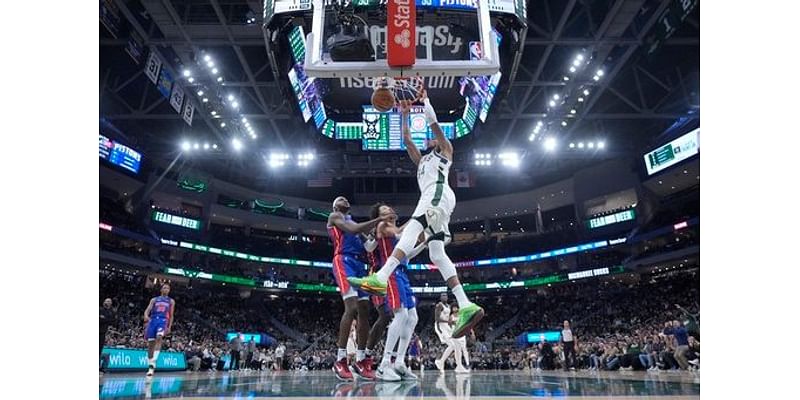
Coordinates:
<point>383,99</point>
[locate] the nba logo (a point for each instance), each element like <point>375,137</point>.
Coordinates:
<point>475,51</point>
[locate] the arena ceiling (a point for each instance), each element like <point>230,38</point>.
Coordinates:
<point>645,90</point>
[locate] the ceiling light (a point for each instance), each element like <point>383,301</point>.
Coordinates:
<point>230,97</point>
<point>572,69</point>
<point>566,78</point>
<point>186,146</point>
<point>580,99</point>
<point>237,145</point>
<point>579,57</point>
<point>550,144</point>
<point>222,125</point>
<point>585,92</point>
<point>572,111</point>
<point>187,73</point>
<point>552,103</point>
<point>580,145</point>
<point>214,71</point>
<point>205,99</point>
<point>601,145</point>
<point>206,146</point>
<point>531,137</point>
<point>214,146</point>
<point>600,72</point>
<point>563,123</point>
<point>572,145</point>
<point>196,146</point>
<point>591,145</point>
<point>244,119</point>
<point>576,63</point>
<point>199,92</point>
<point>207,58</point>
<point>213,112</point>
<point>191,79</point>
<point>556,96</point>
<point>219,79</point>
<point>597,78</point>
<point>235,104</point>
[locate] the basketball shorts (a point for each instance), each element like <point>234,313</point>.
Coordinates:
<point>444,331</point>
<point>398,290</point>
<point>347,266</point>
<point>155,328</point>
<point>445,200</point>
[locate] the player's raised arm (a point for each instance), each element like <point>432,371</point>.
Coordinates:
<point>411,148</point>
<point>433,122</point>
<point>337,219</point>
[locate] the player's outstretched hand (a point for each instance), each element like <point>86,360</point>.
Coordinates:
<point>405,106</point>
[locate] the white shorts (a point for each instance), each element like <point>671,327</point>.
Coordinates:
<point>444,331</point>
<point>446,201</point>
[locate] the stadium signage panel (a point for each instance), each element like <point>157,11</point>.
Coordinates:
<point>135,360</point>
<point>128,387</point>
<point>274,7</point>
<point>538,337</point>
<point>106,227</point>
<point>120,155</point>
<point>680,225</point>
<point>183,222</point>
<point>169,242</point>
<point>621,240</point>
<point>244,336</point>
<point>622,216</point>
<point>673,152</point>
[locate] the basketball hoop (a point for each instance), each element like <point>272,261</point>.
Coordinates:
<point>389,91</point>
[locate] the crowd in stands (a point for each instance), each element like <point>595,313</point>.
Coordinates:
<point>619,324</point>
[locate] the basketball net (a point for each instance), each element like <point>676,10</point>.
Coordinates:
<point>405,89</point>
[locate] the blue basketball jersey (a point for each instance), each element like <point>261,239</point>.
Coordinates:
<point>161,308</point>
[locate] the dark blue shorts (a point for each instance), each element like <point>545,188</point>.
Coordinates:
<point>156,327</point>
<point>347,266</point>
<point>398,290</point>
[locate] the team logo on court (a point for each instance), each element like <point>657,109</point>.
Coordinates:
<point>403,38</point>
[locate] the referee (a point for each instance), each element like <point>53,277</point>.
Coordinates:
<point>108,317</point>
<point>568,344</point>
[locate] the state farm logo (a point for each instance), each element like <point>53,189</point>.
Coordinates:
<point>402,15</point>
<point>403,38</point>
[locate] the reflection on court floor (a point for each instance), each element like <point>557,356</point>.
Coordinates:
<point>480,384</point>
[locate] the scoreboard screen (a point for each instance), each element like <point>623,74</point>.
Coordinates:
<point>119,154</point>
<point>383,131</point>
<point>673,152</point>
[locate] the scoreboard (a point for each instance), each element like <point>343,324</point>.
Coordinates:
<point>119,154</point>
<point>673,152</point>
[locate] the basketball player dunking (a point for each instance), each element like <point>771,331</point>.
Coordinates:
<point>158,316</point>
<point>347,247</point>
<point>432,216</point>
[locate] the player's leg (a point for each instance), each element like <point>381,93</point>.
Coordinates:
<point>440,363</point>
<point>376,283</point>
<point>385,371</point>
<point>461,354</point>
<point>402,347</point>
<point>377,329</point>
<point>469,312</point>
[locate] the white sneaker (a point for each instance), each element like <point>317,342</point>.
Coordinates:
<point>385,372</point>
<point>461,370</point>
<point>151,370</point>
<point>439,364</point>
<point>404,372</point>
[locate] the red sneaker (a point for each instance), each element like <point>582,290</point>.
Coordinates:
<point>369,361</point>
<point>342,371</point>
<point>363,370</point>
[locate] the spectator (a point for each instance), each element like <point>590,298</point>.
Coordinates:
<point>108,318</point>
<point>236,348</point>
<point>681,342</point>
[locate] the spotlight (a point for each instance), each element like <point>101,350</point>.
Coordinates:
<point>601,145</point>
<point>230,97</point>
<point>213,112</point>
<point>550,144</point>
<point>222,125</point>
<point>572,69</point>
<point>187,73</point>
<point>219,79</point>
<point>572,111</point>
<point>196,146</point>
<point>576,63</point>
<point>585,92</point>
<point>566,78</point>
<point>600,72</point>
<point>580,99</point>
<point>214,146</point>
<point>596,78</point>
<point>552,103</point>
<point>556,96</point>
<point>207,58</point>
<point>186,146</point>
<point>214,71</point>
<point>563,123</point>
<point>590,145</point>
<point>579,57</point>
<point>205,99</point>
<point>235,104</point>
<point>572,145</point>
<point>206,146</point>
<point>254,136</point>
<point>237,145</point>
<point>509,159</point>
<point>531,137</point>
<point>580,145</point>
<point>191,79</point>
<point>539,123</point>
<point>200,92</point>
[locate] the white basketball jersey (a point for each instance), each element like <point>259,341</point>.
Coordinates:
<point>433,170</point>
<point>445,314</point>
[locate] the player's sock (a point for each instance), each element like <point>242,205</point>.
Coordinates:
<point>461,297</point>
<point>386,271</point>
<point>155,355</point>
<point>360,355</point>
<point>395,329</point>
<point>408,331</point>
<point>341,354</point>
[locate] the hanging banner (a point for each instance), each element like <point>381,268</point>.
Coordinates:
<point>188,113</point>
<point>176,99</point>
<point>153,67</point>
<point>135,47</point>
<point>164,84</point>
